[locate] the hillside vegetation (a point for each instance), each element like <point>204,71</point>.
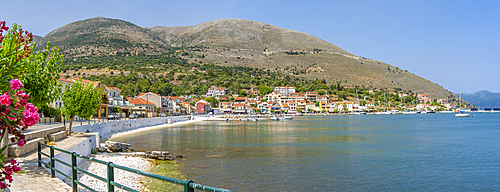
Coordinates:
<point>113,46</point>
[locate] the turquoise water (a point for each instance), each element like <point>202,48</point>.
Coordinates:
<point>423,152</point>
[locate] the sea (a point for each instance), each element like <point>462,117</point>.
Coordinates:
<point>406,152</point>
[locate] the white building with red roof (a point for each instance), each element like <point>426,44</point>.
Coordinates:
<point>142,104</point>
<point>58,103</point>
<point>285,91</point>
<point>154,98</point>
<point>216,92</point>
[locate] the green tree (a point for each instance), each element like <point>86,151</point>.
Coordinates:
<point>42,73</point>
<point>321,92</point>
<point>264,90</point>
<point>80,99</point>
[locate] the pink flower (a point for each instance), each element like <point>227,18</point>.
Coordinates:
<point>16,169</point>
<point>23,95</point>
<point>8,170</point>
<point>2,185</point>
<point>9,177</point>
<point>15,84</point>
<point>12,161</point>
<point>30,115</point>
<point>5,99</point>
<point>21,142</point>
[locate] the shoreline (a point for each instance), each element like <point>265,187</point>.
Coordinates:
<point>120,134</point>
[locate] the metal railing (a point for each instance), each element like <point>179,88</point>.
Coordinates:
<point>189,185</point>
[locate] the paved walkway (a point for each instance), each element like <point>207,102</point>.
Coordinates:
<point>34,178</point>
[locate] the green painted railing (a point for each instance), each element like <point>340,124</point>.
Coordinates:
<point>188,184</point>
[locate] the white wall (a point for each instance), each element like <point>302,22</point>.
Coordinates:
<point>83,148</point>
<point>106,129</point>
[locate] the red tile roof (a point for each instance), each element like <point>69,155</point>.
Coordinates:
<point>65,80</point>
<point>139,101</point>
<point>114,88</point>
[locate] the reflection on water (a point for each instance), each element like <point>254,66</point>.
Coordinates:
<point>312,153</point>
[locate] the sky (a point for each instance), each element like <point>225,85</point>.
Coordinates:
<point>452,43</point>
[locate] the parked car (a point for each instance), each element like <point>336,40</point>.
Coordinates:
<point>163,115</point>
<point>113,116</point>
<point>132,116</point>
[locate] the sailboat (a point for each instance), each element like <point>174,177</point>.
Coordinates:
<point>461,113</point>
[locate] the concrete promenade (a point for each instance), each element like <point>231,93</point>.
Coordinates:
<point>34,178</point>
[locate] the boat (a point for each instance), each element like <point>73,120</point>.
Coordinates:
<point>409,112</point>
<point>287,117</point>
<point>462,113</point>
<point>274,118</point>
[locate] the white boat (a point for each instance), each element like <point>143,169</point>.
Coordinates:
<point>446,112</point>
<point>409,112</point>
<point>462,113</point>
<point>274,118</point>
<point>287,117</point>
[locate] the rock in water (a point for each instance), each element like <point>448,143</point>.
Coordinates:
<point>117,146</point>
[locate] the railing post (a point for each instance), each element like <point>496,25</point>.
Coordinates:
<point>39,155</point>
<point>111,177</point>
<point>52,163</point>
<point>187,188</point>
<point>74,175</point>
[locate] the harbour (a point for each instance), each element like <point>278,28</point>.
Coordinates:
<point>343,152</point>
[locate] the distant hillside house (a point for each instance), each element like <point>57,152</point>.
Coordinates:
<point>285,91</point>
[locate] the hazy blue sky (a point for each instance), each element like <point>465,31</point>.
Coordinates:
<point>452,43</point>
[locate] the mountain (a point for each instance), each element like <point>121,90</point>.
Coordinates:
<point>482,99</point>
<point>237,42</point>
<point>102,36</point>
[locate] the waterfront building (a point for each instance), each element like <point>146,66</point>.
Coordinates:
<point>154,98</point>
<point>142,106</point>
<point>311,96</point>
<point>423,98</point>
<point>250,109</point>
<point>114,97</point>
<point>370,104</point>
<point>292,106</point>
<point>203,107</point>
<point>264,106</point>
<point>301,105</point>
<point>239,108</point>
<point>285,107</point>
<point>226,107</point>
<point>216,92</point>
<point>322,98</point>
<point>58,103</point>
<point>273,97</point>
<point>240,100</point>
<point>169,104</point>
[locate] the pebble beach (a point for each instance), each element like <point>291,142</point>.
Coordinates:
<point>126,178</point>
